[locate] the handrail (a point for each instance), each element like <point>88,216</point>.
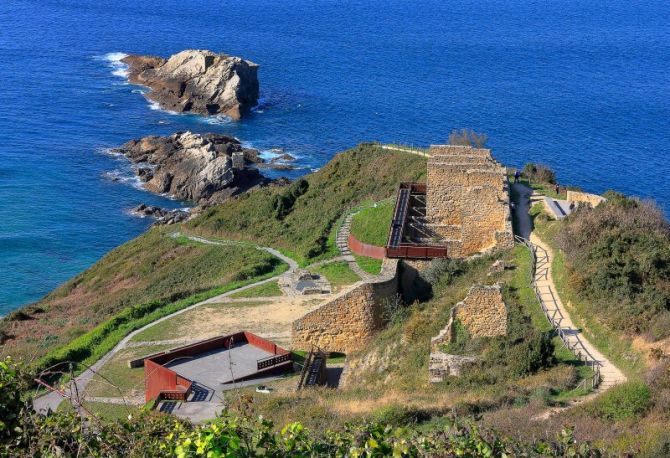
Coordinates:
<point>305,368</point>
<point>578,348</point>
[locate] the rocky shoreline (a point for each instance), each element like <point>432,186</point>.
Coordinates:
<point>197,81</point>
<point>205,169</point>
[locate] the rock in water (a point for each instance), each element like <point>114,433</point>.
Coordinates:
<point>193,167</point>
<point>198,81</point>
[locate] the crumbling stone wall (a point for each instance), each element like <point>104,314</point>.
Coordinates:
<point>351,318</point>
<point>467,200</point>
<point>482,313</point>
<point>591,199</point>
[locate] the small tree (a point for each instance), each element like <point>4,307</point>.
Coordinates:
<point>467,137</point>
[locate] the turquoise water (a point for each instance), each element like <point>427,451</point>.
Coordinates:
<point>580,86</point>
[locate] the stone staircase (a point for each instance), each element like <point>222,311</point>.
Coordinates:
<point>343,235</point>
<point>342,242</point>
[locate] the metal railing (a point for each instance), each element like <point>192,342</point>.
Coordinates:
<point>570,339</point>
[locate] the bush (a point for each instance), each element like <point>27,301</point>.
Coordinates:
<point>622,402</point>
<point>538,173</point>
<point>444,270</point>
<point>467,137</point>
<point>283,203</point>
<point>619,262</point>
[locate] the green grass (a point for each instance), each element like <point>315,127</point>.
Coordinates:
<point>115,379</point>
<point>270,289</point>
<point>545,189</point>
<point>333,357</point>
<point>371,225</point>
<point>364,173</point>
<point>337,273</point>
<point>369,265</point>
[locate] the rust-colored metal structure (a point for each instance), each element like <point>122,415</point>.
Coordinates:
<point>161,382</point>
<point>364,249</point>
<point>404,235</point>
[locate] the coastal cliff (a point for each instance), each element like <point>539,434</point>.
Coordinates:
<point>197,81</point>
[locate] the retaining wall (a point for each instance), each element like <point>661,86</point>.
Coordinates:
<point>591,199</point>
<point>351,318</point>
<point>364,249</point>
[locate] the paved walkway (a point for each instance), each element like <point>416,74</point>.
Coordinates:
<point>405,150</point>
<point>78,385</point>
<point>522,222</point>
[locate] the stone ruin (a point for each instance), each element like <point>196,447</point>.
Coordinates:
<point>467,200</point>
<point>302,282</point>
<point>482,313</point>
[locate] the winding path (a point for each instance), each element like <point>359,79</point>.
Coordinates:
<point>52,400</point>
<point>558,315</point>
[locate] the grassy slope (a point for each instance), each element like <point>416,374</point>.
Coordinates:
<point>371,225</point>
<point>365,172</point>
<point>152,267</point>
<point>265,290</point>
<point>337,273</point>
<point>157,267</point>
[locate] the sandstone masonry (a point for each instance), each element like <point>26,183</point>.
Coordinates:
<point>467,200</point>
<point>482,313</point>
<point>351,318</point>
<point>593,200</point>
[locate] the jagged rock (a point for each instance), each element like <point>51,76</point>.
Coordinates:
<point>284,157</point>
<point>198,81</point>
<point>162,215</point>
<point>192,167</point>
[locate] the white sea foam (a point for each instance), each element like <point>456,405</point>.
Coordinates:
<point>121,72</point>
<point>122,176</point>
<point>115,57</point>
<point>217,120</point>
<point>113,60</point>
<point>153,105</point>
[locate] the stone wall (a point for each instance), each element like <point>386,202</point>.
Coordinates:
<point>591,199</point>
<point>351,318</point>
<point>467,200</point>
<point>443,364</point>
<point>482,313</point>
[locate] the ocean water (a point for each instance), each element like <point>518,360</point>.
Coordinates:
<point>580,86</point>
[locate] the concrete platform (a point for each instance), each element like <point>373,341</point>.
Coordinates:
<point>220,366</point>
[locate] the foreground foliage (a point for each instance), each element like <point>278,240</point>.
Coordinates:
<point>24,433</point>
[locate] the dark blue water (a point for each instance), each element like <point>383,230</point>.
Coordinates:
<point>581,86</point>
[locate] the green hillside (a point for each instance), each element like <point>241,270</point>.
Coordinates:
<point>300,221</point>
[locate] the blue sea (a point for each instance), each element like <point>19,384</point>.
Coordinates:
<point>582,86</point>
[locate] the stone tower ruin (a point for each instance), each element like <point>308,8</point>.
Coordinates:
<point>467,200</point>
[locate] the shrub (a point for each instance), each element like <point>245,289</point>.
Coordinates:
<point>623,402</point>
<point>467,137</point>
<point>539,173</point>
<point>619,262</point>
<point>442,270</point>
<point>283,203</point>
